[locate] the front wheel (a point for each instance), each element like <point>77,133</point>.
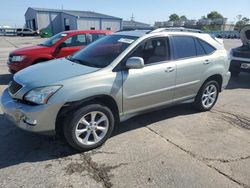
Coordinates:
<point>207,96</point>
<point>89,127</point>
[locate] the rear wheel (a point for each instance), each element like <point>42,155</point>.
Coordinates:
<point>207,96</point>
<point>89,127</point>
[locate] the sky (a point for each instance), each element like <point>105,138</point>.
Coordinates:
<point>148,11</point>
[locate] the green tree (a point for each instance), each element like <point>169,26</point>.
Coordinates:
<point>174,17</point>
<point>214,15</point>
<point>183,18</point>
<point>244,21</point>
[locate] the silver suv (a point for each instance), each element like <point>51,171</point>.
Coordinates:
<point>115,78</point>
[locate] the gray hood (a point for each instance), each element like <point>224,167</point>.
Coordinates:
<point>50,72</point>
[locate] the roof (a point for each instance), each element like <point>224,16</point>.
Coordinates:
<point>135,24</point>
<point>88,32</point>
<point>135,33</point>
<point>77,13</point>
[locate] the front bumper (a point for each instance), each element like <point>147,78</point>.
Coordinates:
<point>39,119</point>
<point>236,62</point>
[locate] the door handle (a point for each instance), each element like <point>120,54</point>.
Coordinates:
<point>206,62</point>
<point>169,69</point>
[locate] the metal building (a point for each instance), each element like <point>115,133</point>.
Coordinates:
<point>64,20</point>
<point>131,24</point>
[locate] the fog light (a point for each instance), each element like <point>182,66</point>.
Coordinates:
<point>29,121</point>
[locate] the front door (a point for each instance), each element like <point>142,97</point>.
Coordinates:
<point>152,85</point>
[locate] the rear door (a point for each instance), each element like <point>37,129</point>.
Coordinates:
<point>154,84</point>
<point>192,61</point>
<point>71,45</point>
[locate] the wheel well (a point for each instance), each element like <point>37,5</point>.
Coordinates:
<point>73,106</point>
<point>216,77</point>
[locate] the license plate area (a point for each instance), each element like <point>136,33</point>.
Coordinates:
<point>245,66</point>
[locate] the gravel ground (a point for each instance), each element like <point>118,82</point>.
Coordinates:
<point>173,147</point>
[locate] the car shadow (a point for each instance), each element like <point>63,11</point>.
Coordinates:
<point>5,79</point>
<point>18,146</point>
<point>239,82</point>
<point>154,116</point>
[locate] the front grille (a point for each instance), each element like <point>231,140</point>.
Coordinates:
<point>14,87</point>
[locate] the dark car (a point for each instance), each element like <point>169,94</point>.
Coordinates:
<point>240,56</point>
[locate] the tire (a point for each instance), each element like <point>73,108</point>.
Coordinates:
<point>86,139</point>
<point>21,34</point>
<point>204,101</point>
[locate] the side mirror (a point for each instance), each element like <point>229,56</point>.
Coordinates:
<point>135,63</point>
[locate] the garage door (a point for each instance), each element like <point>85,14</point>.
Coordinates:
<point>86,24</point>
<point>113,25</point>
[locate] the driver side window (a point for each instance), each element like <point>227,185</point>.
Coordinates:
<point>153,51</point>
<point>76,40</point>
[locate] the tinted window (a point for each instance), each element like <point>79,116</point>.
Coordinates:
<point>76,40</point>
<point>184,47</point>
<point>26,30</point>
<point>207,47</point>
<point>199,48</point>
<point>94,37</point>
<point>153,51</point>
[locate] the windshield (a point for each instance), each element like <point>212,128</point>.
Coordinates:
<point>54,39</point>
<point>102,52</point>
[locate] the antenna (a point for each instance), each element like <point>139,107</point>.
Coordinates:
<point>62,6</point>
<point>132,17</point>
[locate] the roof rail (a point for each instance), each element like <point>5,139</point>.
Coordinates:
<point>177,29</point>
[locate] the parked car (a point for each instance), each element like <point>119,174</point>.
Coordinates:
<point>115,78</point>
<point>60,45</point>
<point>26,32</point>
<point>240,56</point>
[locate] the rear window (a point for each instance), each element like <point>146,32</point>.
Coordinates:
<point>184,47</point>
<point>199,48</point>
<point>207,47</point>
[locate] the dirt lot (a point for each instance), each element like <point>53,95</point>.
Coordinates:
<point>174,147</point>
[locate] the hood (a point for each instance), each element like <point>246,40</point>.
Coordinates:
<point>29,49</point>
<point>245,35</point>
<point>50,72</point>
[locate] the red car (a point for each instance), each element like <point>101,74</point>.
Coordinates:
<point>60,45</point>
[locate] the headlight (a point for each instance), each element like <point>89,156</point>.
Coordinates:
<point>18,58</point>
<point>41,95</point>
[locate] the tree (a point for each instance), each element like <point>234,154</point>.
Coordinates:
<point>214,15</point>
<point>183,18</point>
<point>244,21</point>
<point>174,17</point>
